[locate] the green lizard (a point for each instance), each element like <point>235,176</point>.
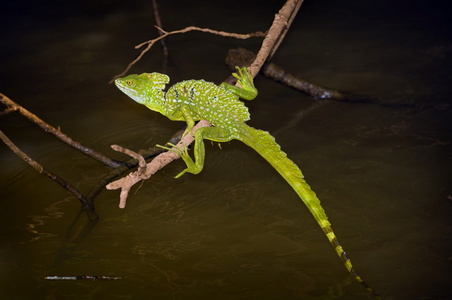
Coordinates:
<point>193,100</point>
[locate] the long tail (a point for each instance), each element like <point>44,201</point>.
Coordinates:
<point>265,145</point>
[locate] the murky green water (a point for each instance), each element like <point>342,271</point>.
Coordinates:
<point>237,230</point>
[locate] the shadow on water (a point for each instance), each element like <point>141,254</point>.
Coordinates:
<point>237,230</point>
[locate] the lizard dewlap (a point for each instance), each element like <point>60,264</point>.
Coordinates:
<point>194,100</point>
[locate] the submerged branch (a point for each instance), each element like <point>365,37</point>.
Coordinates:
<point>83,277</point>
<point>87,205</point>
<point>242,57</point>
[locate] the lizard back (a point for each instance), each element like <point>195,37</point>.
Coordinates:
<point>208,101</point>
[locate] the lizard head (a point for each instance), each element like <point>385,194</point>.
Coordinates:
<point>143,88</point>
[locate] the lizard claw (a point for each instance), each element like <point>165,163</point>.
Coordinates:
<point>175,149</point>
<point>183,153</point>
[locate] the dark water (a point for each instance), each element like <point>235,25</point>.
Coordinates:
<point>237,230</point>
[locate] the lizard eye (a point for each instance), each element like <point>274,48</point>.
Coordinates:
<point>129,82</point>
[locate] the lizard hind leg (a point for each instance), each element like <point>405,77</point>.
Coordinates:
<point>215,134</point>
<point>182,152</point>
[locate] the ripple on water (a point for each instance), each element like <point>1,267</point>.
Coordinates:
<point>37,223</point>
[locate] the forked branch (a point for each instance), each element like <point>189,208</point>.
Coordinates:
<point>145,171</point>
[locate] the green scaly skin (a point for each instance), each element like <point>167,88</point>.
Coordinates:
<point>194,100</point>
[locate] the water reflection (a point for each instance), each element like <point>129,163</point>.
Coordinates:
<point>35,227</point>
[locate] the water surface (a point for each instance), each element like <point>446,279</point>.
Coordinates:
<point>237,230</point>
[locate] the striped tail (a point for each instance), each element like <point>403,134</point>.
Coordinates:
<point>264,144</point>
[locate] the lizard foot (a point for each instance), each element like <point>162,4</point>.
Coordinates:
<point>183,153</point>
<point>244,78</point>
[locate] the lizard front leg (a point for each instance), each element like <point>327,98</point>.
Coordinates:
<point>247,90</point>
<point>189,119</point>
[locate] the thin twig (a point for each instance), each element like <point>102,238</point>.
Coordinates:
<point>159,24</point>
<point>240,36</point>
<point>8,110</point>
<point>57,133</point>
<point>138,157</point>
<point>150,43</point>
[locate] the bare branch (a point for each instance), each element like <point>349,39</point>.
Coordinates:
<point>272,39</point>
<point>163,159</point>
<point>57,133</point>
<point>289,11</point>
<point>129,164</point>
